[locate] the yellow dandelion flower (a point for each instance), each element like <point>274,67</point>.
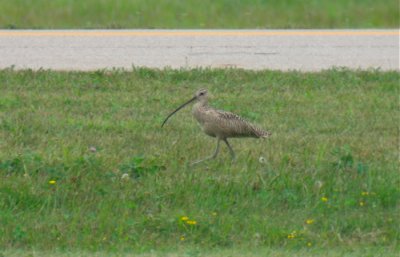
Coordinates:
<point>191,222</point>
<point>324,199</point>
<point>309,244</point>
<point>364,193</point>
<point>292,235</point>
<point>362,203</point>
<point>184,218</point>
<point>309,221</point>
<point>182,238</point>
<point>52,182</point>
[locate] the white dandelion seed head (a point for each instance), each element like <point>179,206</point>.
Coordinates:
<point>318,184</point>
<point>262,160</point>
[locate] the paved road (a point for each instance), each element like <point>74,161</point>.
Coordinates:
<point>307,50</point>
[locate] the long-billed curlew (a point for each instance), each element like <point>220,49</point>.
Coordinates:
<point>219,124</point>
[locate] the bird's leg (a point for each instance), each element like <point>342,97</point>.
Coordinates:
<point>230,149</point>
<point>210,157</point>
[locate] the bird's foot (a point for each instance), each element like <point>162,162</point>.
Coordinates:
<point>196,162</point>
<point>199,161</point>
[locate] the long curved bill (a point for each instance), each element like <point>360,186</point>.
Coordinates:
<point>180,107</point>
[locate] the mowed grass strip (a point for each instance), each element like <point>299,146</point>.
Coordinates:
<point>233,252</point>
<point>175,14</point>
<point>85,166</point>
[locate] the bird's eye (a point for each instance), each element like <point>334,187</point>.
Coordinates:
<point>202,93</point>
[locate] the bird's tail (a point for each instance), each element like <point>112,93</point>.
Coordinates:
<point>266,134</point>
<point>260,133</point>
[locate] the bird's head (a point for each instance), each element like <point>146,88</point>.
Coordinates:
<point>201,95</point>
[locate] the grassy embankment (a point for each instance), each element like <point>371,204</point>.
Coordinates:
<point>177,14</point>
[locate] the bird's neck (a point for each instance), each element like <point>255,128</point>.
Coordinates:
<point>203,103</point>
<point>200,105</point>
<point>199,110</point>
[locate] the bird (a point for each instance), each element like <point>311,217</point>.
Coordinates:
<point>219,124</point>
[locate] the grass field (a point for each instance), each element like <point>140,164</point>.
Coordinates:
<point>177,14</point>
<point>85,166</point>
<point>198,252</point>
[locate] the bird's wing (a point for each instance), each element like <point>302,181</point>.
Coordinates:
<point>229,116</point>
<point>236,126</point>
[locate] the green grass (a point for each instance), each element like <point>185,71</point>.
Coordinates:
<point>198,252</point>
<point>199,14</point>
<point>335,135</point>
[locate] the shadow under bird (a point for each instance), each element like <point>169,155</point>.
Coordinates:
<point>219,124</point>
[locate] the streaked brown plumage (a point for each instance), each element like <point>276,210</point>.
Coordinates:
<point>220,124</point>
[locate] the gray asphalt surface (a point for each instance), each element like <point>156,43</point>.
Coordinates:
<point>305,50</point>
